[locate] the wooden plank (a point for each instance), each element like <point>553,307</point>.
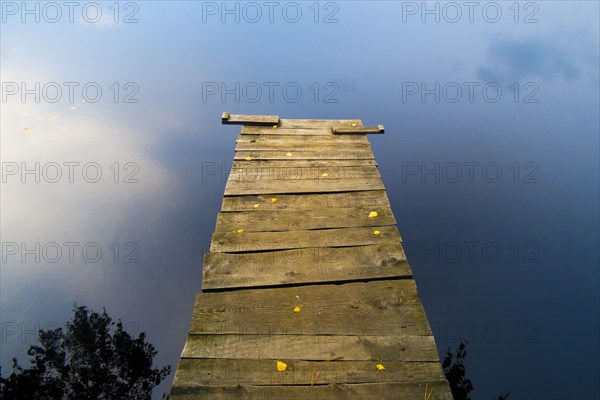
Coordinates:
<point>244,319</point>
<point>304,266</point>
<point>371,198</point>
<point>294,172</point>
<point>227,118</point>
<point>360,130</point>
<point>302,146</point>
<point>272,131</point>
<point>320,218</point>
<point>313,154</point>
<point>375,308</point>
<point>258,241</point>
<point>439,389</point>
<point>406,348</point>
<point>235,187</point>
<point>319,123</point>
<point>193,372</point>
<point>300,163</point>
<point>250,138</point>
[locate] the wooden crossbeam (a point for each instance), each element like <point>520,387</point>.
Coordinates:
<point>227,118</point>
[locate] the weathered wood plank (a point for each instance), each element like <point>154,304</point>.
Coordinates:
<point>319,218</point>
<point>272,131</point>
<point>243,320</point>
<point>304,266</point>
<point>339,138</point>
<point>380,391</point>
<point>227,118</point>
<point>259,241</point>
<point>300,163</point>
<point>235,187</point>
<point>302,146</point>
<point>371,198</point>
<point>327,174</point>
<point>360,130</point>
<point>375,308</point>
<point>406,348</point>
<point>319,123</point>
<point>311,154</point>
<point>194,372</point>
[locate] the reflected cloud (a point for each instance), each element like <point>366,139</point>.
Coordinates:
<point>510,60</point>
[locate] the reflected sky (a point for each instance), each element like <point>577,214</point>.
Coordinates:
<point>508,261</point>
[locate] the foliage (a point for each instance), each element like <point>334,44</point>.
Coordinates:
<point>454,369</point>
<point>92,358</point>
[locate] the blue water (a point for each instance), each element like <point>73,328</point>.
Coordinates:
<point>490,160</point>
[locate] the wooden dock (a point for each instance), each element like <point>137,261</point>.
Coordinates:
<point>307,293</point>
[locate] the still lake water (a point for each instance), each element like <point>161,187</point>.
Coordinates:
<point>490,160</point>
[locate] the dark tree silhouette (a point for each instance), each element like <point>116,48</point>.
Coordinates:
<point>454,369</point>
<point>92,358</point>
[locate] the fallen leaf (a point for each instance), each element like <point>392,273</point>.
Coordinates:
<point>372,214</point>
<point>248,158</point>
<point>376,233</point>
<point>325,174</point>
<point>288,154</point>
<point>273,199</point>
<point>281,366</point>
<point>240,231</point>
<point>353,124</point>
<point>275,126</point>
<point>256,205</point>
<point>296,309</point>
<point>380,367</point>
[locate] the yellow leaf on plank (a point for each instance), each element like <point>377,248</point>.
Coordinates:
<point>248,158</point>
<point>372,214</point>
<point>281,366</point>
<point>273,199</point>
<point>380,367</point>
<point>376,233</point>
<point>296,309</point>
<point>256,205</point>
